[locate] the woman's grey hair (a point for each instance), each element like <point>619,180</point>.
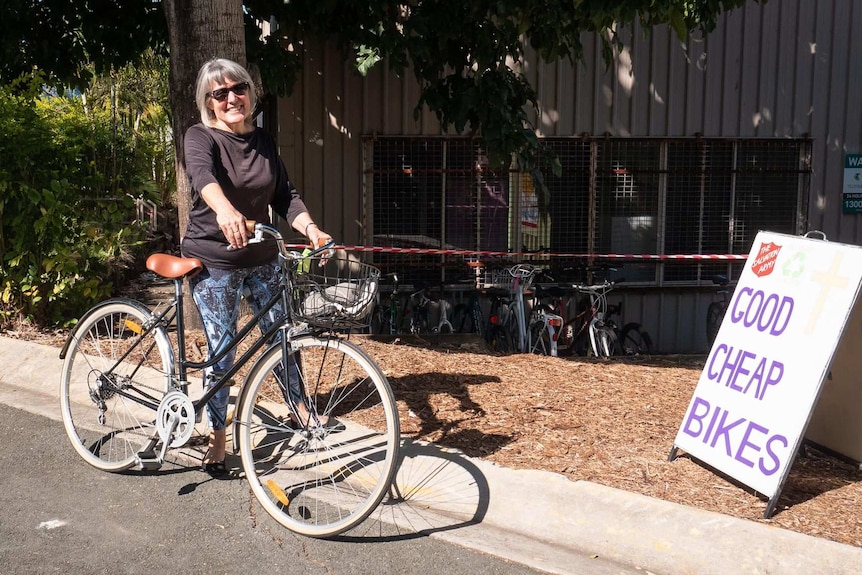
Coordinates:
<point>219,70</point>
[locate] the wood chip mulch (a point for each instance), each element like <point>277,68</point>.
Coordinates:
<point>610,421</point>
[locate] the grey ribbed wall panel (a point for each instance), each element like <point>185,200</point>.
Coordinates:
<point>783,69</point>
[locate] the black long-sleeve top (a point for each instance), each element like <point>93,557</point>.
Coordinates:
<point>253,178</point>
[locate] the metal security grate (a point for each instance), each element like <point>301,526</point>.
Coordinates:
<point>434,193</point>
<point>614,196</point>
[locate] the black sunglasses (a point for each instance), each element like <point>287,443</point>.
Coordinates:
<point>221,93</point>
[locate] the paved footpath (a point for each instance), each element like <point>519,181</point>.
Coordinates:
<point>536,518</point>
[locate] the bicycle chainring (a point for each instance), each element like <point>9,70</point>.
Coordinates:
<point>175,406</point>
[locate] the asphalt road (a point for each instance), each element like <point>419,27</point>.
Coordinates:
<point>59,515</point>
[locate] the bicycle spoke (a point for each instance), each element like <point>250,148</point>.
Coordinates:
<point>320,479</point>
<point>114,377</point>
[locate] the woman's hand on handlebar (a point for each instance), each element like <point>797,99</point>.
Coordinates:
<point>235,229</point>
<point>317,237</point>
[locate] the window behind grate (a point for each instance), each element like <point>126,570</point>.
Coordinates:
<point>620,196</point>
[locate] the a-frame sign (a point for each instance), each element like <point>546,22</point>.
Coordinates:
<point>790,336</point>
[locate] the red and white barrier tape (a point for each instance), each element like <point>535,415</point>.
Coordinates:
<point>471,253</point>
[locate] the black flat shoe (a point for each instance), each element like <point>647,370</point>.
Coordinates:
<point>215,468</point>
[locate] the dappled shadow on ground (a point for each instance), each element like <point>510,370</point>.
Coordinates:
<point>448,425</point>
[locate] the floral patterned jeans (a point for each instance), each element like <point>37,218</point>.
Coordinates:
<point>217,294</point>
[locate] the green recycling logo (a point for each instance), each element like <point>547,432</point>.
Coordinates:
<point>794,266</point>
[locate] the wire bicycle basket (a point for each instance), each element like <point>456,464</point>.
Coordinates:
<point>507,278</point>
<point>336,295</point>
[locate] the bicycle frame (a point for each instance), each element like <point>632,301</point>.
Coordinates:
<point>181,365</point>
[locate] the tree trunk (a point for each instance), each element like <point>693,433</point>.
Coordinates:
<point>198,30</point>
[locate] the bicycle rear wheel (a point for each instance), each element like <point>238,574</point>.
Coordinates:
<point>114,376</point>
<point>635,340</point>
<point>714,316</point>
<point>500,339</point>
<point>319,480</point>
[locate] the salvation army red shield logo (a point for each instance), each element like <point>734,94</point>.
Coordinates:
<point>764,262</point>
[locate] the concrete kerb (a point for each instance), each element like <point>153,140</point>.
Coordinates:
<point>537,518</point>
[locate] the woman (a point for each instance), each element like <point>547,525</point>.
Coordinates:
<point>236,175</point>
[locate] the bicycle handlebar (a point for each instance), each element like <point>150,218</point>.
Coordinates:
<point>522,270</point>
<point>259,230</point>
<point>607,285</point>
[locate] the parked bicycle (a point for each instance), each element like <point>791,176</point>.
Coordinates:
<point>498,330</point>
<point>537,328</point>
<point>470,317</point>
<point>593,331</point>
<point>631,337</point>
<point>421,302</point>
<point>125,396</point>
<point>388,318</point>
<point>555,299</point>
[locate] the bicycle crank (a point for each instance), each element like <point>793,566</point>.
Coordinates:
<point>175,419</point>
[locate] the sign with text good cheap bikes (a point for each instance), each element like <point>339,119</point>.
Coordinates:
<point>764,373</point>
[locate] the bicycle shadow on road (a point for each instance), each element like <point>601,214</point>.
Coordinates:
<point>435,490</point>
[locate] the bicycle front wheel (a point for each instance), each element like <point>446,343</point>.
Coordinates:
<point>319,480</point>
<point>605,341</point>
<point>114,375</point>
<point>379,323</point>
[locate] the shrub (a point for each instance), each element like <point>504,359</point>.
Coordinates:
<point>66,206</point>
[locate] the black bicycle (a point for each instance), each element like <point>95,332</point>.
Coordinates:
<point>125,391</point>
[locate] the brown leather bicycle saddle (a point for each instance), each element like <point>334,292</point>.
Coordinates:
<point>174,267</point>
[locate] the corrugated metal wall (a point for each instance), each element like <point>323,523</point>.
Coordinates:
<point>783,69</point>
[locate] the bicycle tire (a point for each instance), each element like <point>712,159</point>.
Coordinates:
<point>102,399</point>
<point>500,339</point>
<point>379,322</point>
<point>635,340</point>
<point>714,316</point>
<point>606,341</point>
<point>462,319</point>
<point>511,324</point>
<point>314,480</point>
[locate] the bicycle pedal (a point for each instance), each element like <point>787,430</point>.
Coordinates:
<point>149,460</point>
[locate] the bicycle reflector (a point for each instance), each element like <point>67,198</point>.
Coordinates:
<point>494,319</point>
<point>557,323</point>
<point>277,492</point>
<point>134,326</point>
